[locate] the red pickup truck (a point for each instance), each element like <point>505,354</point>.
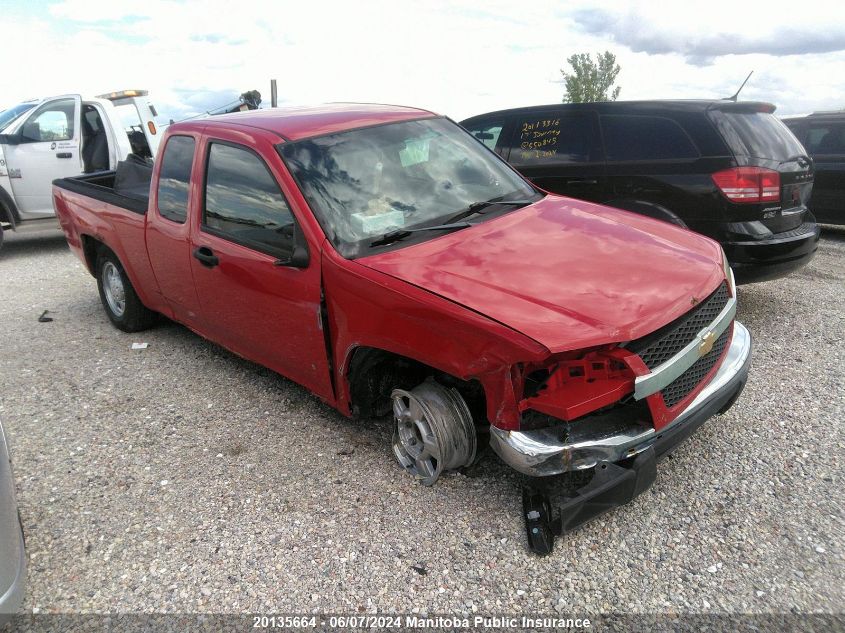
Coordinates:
<point>386,260</point>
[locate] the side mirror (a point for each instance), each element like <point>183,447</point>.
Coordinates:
<point>483,136</point>
<point>298,259</point>
<point>10,139</point>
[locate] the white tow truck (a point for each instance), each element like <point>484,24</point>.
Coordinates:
<point>65,136</point>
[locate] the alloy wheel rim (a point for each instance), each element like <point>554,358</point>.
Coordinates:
<point>114,289</point>
<point>416,446</point>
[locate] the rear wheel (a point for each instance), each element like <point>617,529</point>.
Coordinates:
<point>118,297</point>
<point>434,431</point>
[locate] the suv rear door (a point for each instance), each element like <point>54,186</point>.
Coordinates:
<point>759,139</point>
<point>652,158</point>
<point>560,151</point>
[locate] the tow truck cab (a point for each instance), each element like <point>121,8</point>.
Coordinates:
<point>65,136</point>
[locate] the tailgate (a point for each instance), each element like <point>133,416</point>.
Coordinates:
<point>796,185</point>
<point>756,137</point>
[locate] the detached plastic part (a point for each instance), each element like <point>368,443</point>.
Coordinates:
<point>538,519</point>
<point>613,485</point>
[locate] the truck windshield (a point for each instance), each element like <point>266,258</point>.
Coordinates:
<point>9,115</point>
<point>365,183</point>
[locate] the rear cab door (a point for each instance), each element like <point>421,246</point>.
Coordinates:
<point>174,198</point>
<point>250,224</point>
<point>42,146</point>
<point>560,151</point>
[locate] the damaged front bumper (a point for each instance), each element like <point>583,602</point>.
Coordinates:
<point>584,444</point>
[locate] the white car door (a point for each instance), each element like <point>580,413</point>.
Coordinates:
<point>43,147</point>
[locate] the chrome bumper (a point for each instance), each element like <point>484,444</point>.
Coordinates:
<point>584,444</point>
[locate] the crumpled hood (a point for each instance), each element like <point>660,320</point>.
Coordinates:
<point>567,273</point>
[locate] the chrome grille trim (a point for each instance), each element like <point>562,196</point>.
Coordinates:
<point>658,347</point>
<point>667,372</point>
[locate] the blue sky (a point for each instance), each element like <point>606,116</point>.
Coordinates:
<point>454,57</point>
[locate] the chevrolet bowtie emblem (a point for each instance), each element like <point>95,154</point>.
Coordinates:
<point>706,343</point>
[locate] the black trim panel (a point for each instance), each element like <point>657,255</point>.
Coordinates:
<point>94,186</point>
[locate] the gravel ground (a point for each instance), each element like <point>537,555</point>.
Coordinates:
<point>182,478</point>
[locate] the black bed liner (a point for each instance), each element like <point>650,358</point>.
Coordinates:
<point>127,187</point>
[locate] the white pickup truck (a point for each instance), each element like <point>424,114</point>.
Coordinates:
<point>66,136</point>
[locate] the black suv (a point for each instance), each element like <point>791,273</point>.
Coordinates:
<point>729,170</point>
<point>823,134</point>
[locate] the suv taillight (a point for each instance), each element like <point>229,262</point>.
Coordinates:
<point>749,184</point>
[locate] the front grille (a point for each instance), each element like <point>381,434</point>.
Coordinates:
<point>679,388</point>
<point>660,346</point>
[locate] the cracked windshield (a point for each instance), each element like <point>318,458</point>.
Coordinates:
<point>368,183</point>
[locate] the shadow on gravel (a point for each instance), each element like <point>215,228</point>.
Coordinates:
<point>32,245</point>
<point>833,233</point>
<point>364,436</point>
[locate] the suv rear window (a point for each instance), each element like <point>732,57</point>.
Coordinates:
<point>758,135</point>
<point>637,137</point>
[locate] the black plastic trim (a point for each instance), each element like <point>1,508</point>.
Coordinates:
<point>84,185</point>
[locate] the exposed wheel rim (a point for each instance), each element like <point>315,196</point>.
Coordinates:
<point>114,289</point>
<point>434,431</point>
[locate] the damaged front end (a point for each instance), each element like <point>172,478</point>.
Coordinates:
<point>617,410</point>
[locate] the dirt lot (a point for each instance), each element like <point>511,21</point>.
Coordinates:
<point>182,478</point>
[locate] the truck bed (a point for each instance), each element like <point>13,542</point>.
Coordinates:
<point>127,187</point>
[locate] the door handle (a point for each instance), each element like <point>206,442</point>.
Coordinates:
<point>583,181</point>
<point>206,257</point>
<point>64,155</point>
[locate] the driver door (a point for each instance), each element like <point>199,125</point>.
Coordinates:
<point>45,146</point>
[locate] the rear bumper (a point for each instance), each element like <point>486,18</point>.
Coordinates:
<point>782,253</point>
<point>544,452</point>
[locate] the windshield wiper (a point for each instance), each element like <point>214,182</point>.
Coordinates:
<point>401,234</point>
<point>478,207</point>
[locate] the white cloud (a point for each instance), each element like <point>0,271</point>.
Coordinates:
<point>456,58</point>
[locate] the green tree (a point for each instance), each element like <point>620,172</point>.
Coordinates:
<point>591,81</point>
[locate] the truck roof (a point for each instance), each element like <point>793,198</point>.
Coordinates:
<point>296,123</point>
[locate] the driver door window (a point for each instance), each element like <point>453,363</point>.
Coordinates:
<point>243,202</point>
<point>52,122</point>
